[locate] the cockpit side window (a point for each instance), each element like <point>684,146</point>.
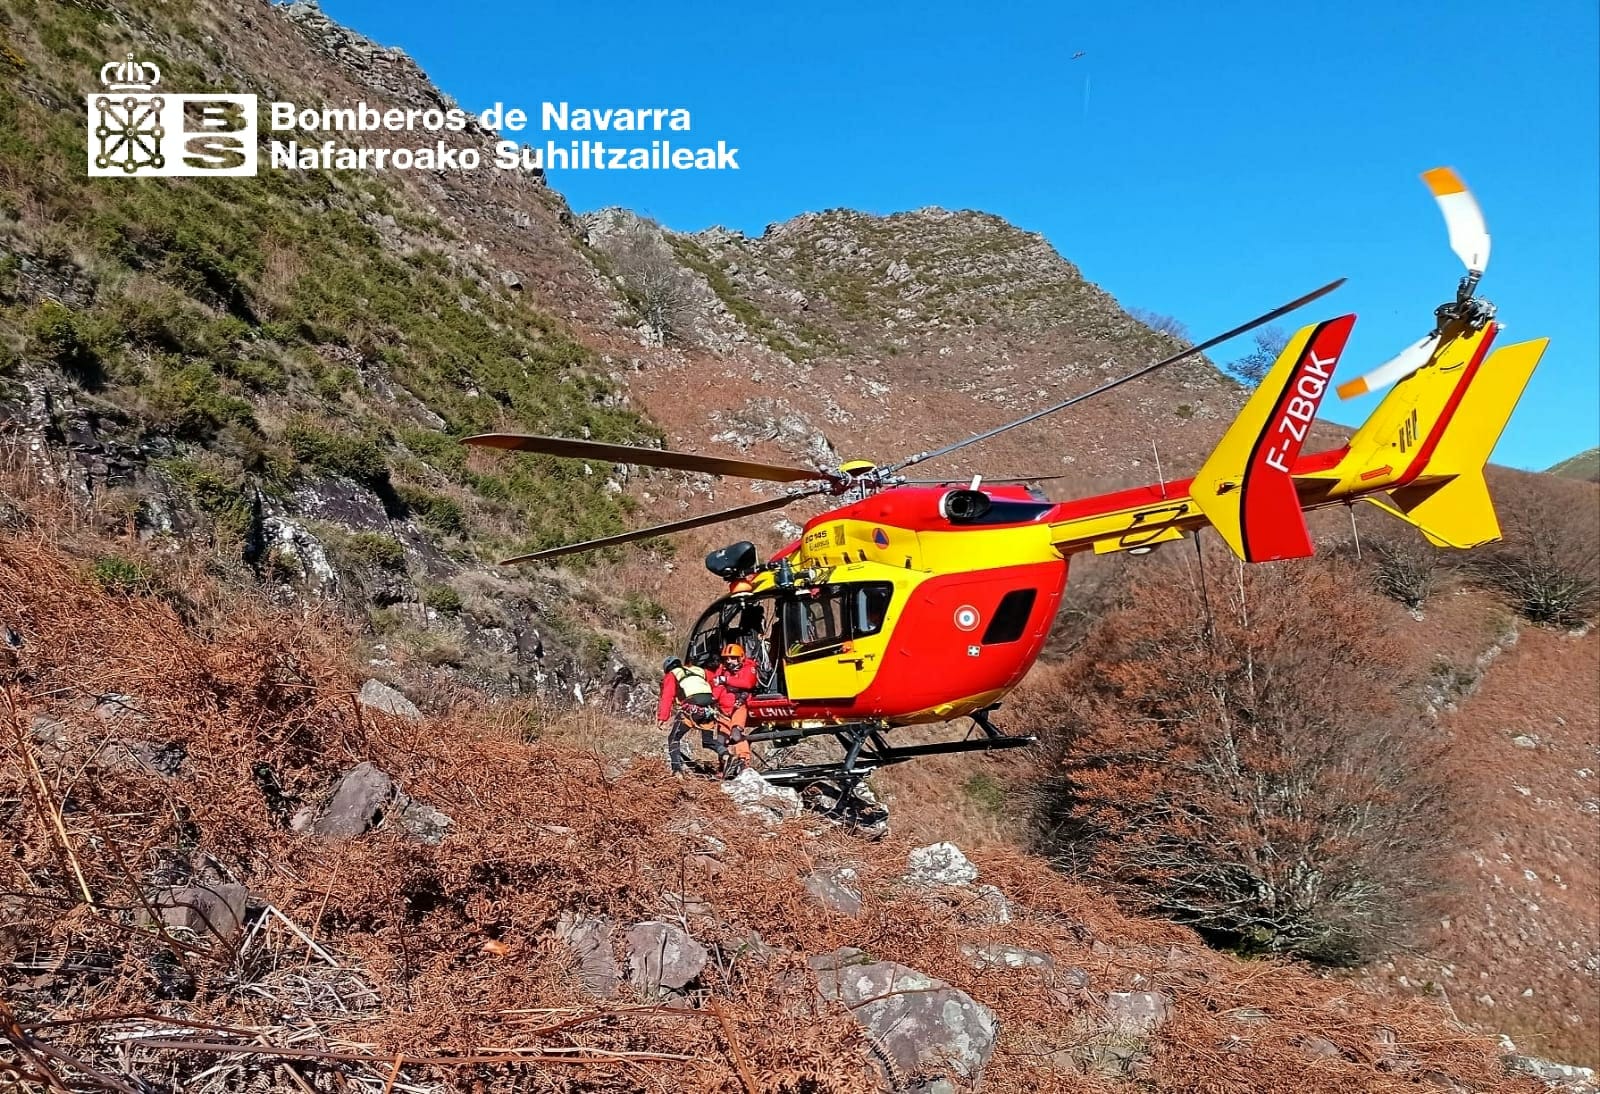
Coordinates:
<point>821,621</point>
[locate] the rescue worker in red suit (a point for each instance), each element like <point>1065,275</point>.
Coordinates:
<point>732,684</point>
<point>687,700</point>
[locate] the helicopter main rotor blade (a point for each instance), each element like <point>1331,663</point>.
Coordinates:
<point>765,506</point>
<point>647,457</point>
<point>1259,320</point>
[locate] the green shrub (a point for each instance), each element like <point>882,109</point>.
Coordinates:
<point>372,551</point>
<point>190,403</point>
<point>441,513</point>
<point>353,456</point>
<point>122,576</point>
<point>65,338</point>
<point>222,495</point>
<point>442,599</point>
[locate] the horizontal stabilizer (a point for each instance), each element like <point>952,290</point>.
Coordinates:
<point>1448,499</point>
<point>1457,513</point>
<point>1244,488</point>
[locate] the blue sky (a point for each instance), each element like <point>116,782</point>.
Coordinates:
<point>1204,161</point>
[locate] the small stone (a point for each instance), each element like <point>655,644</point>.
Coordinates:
<point>993,908</point>
<point>755,795</point>
<point>995,955</point>
<point>940,864</point>
<point>1317,1048</point>
<point>376,695</point>
<point>422,822</point>
<point>1138,1011</point>
<point>589,938</point>
<point>213,910</point>
<point>1524,740</point>
<point>511,280</point>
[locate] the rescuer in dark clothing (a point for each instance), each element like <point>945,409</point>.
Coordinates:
<point>687,700</point>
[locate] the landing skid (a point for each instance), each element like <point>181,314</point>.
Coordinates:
<point>835,788</point>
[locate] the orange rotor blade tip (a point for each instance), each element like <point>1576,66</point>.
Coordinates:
<point>1351,388</point>
<point>1443,180</point>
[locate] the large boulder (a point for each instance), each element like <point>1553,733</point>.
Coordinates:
<point>940,864</point>
<point>756,796</point>
<point>921,1027</point>
<point>662,959</point>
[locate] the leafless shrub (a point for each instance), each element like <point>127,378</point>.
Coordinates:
<point>1238,755</point>
<point>1161,324</point>
<point>1406,569</point>
<point>1548,564</point>
<point>658,286</point>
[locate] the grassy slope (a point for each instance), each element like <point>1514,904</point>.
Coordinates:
<point>1585,465</point>
<point>281,326</point>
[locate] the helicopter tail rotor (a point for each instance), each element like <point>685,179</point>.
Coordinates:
<point>1469,239</point>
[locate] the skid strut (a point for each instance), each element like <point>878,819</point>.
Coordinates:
<point>867,748</point>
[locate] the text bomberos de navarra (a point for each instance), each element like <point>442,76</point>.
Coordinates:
<point>583,153</point>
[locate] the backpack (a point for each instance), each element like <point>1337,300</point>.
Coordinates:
<point>693,686</point>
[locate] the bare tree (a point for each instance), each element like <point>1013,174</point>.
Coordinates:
<point>658,286</point>
<point>1161,324</point>
<point>1253,367</point>
<point>1236,751</point>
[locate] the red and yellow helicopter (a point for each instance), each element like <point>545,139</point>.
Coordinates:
<point>915,602</point>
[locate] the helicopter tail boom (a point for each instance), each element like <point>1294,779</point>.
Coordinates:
<point>1419,456</point>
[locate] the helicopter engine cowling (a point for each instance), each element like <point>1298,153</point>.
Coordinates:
<point>964,506</point>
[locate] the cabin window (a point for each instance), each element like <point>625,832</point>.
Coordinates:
<point>822,620</point>
<point>1010,619</point>
<point>869,606</point>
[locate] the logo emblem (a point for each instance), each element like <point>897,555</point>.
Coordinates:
<point>134,132</point>
<point>880,537</point>
<point>967,617</point>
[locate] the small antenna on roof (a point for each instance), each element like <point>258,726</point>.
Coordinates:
<point>1160,478</point>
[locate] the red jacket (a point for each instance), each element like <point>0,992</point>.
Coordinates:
<point>732,688</point>
<point>669,696</point>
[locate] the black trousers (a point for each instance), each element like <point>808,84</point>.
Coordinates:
<point>709,739</point>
